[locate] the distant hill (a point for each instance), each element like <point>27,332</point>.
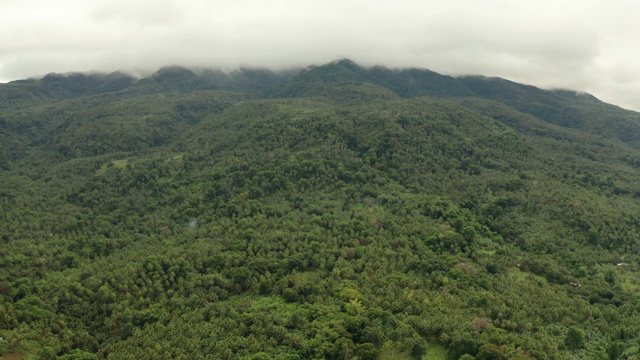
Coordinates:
<point>564,108</point>
<point>337,212</point>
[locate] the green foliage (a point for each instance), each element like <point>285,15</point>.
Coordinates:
<point>77,354</point>
<point>46,353</point>
<point>260,356</point>
<point>367,351</point>
<point>490,352</point>
<point>340,214</point>
<point>575,338</point>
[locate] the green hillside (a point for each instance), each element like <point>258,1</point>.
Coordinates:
<point>339,212</point>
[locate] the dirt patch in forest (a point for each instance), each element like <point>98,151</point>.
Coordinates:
<point>12,356</point>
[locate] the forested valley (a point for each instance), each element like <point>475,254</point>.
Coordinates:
<point>335,212</point>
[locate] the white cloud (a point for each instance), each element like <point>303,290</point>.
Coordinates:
<point>587,45</point>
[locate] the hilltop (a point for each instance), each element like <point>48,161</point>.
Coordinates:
<point>333,212</point>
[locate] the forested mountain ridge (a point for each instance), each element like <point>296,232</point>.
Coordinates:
<point>564,108</point>
<point>337,212</point>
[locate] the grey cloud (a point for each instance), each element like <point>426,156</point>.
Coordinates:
<point>587,46</point>
<point>139,15</point>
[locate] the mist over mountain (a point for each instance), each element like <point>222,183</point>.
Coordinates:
<point>549,44</point>
<point>335,211</point>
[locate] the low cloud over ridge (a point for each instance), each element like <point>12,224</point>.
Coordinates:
<point>586,46</point>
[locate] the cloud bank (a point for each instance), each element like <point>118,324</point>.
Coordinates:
<point>586,46</point>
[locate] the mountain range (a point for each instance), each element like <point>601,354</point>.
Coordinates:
<point>335,211</point>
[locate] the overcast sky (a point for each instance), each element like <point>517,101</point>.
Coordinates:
<point>584,45</point>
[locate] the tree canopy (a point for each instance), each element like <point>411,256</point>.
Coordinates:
<point>338,212</point>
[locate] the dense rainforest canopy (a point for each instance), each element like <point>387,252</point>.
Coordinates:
<point>338,212</point>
